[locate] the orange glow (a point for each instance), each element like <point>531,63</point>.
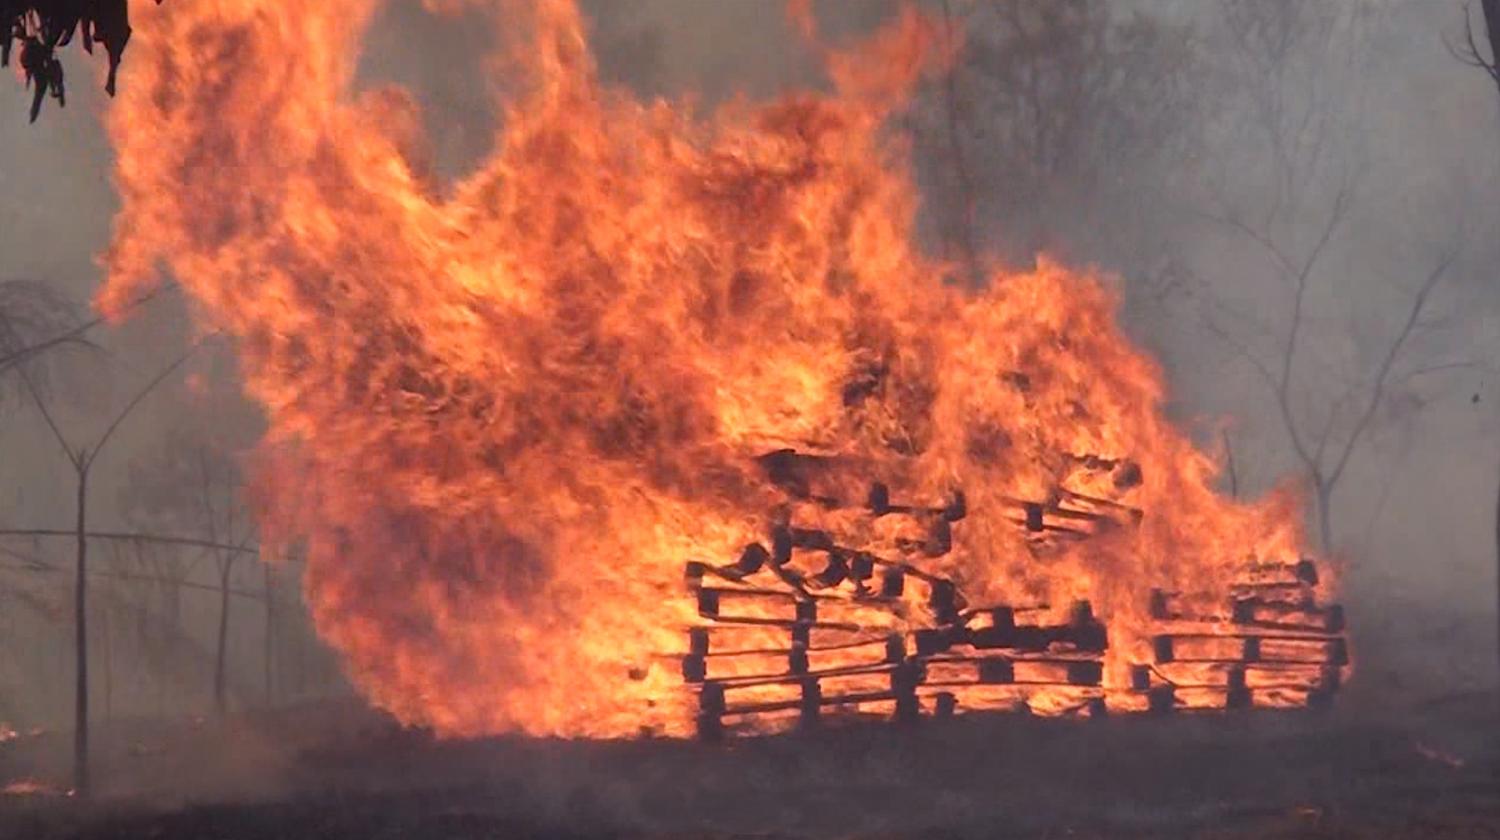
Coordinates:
<point>504,413</point>
<point>31,787</point>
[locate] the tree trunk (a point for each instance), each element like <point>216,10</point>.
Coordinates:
<point>299,661</point>
<point>81,646</point>
<point>961,176</point>
<point>109,666</point>
<point>270,651</point>
<point>1325,514</point>
<point>1234,475</point>
<point>170,630</point>
<point>1491,9</point>
<point>220,697</point>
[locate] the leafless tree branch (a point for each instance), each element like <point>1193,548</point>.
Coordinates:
<point>1468,51</point>
<point>1419,302</point>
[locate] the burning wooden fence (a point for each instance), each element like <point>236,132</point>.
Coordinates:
<point>778,647</point>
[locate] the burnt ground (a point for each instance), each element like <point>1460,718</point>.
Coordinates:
<point>337,771</point>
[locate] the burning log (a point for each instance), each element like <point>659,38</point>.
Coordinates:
<point>1239,647</point>
<point>1161,698</point>
<point>878,502</point>
<point>1302,615</point>
<point>935,640</point>
<point>943,600</point>
<point>1237,695</point>
<point>958,670</point>
<point>711,708</point>
<point>997,671</point>
<point>1083,632</point>
<point>1140,677</point>
<point>793,471</point>
<point>1275,645</point>
<point>836,572</point>
<point>752,559</point>
<point>895,648</point>
<point>893,583</point>
<point>811,702</point>
<point>798,659</point>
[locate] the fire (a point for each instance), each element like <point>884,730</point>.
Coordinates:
<point>505,413</point>
<point>31,787</point>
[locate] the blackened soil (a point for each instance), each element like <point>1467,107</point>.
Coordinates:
<point>340,772</point>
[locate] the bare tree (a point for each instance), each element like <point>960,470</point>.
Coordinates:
<point>140,601</point>
<point>268,653</point>
<point>81,458</point>
<point>1053,120</point>
<point>35,319</point>
<point>1231,469</point>
<point>1292,72</point>
<point>40,321</point>
<point>1468,50</point>
<point>221,479</point>
<point>1324,452</point>
<point>193,483</point>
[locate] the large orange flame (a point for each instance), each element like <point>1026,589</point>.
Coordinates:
<point>503,415</point>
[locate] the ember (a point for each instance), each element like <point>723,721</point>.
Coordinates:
<point>32,787</point>
<point>505,415</point>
